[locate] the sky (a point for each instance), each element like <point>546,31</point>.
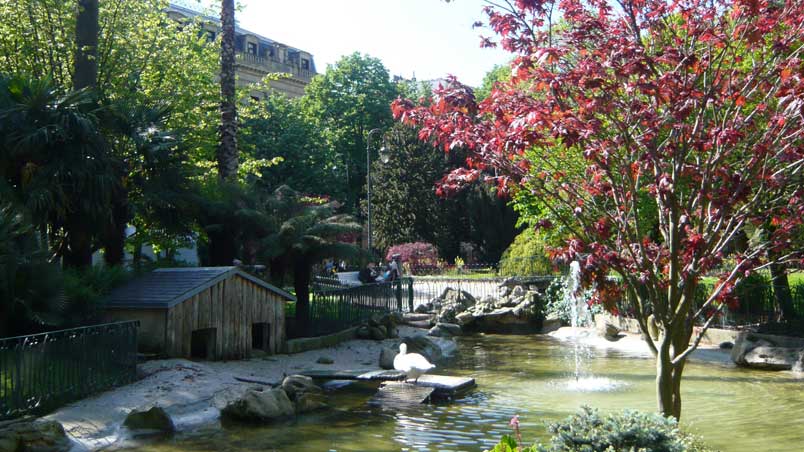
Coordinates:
<point>428,38</point>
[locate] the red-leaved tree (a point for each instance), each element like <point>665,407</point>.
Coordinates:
<point>690,110</point>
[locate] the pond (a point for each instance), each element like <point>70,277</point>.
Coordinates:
<point>736,410</point>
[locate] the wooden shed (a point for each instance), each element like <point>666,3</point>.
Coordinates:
<point>204,312</point>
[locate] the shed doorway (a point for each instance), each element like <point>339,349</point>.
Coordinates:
<point>261,336</point>
<point>202,345</point>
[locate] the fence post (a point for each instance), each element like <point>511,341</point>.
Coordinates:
<point>410,294</point>
<point>398,293</point>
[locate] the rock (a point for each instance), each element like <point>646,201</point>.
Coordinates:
<point>260,406</point>
<point>460,297</point>
<point>325,360</point>
<point>45,436</point>
<point>294,385</point>
<point>465,318</point>
<point>415,317</point>
<point>517,291</point>
<point>375,320</point>
<point>155,420</point>
<point>421,324</point>
<point>609,331</point>
<point>771,358</point>
<point>726,345</point>
<point>445,330</point>
<point>392,332</point>
<point>510,282</point>
<point>503,291</point>
<point>744,343</point>
<point>424,346</point>
<point>378,332</point>
<point>363,332</point>
<point>551,324</point>
<point>309,401</point>
<point>387,356</point>
<point>423,308</point>
<point>394,318</point>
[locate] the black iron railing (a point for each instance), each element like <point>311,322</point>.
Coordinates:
<point>44,371</point>
<point>333,310</point>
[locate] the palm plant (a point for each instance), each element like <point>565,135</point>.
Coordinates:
<point>307,234</point>
<point>54,162</point>
<point>29,284</point>
<point>151,172</point>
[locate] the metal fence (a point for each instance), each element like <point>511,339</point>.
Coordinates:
<point>338,308</point>
<point>44,371</point>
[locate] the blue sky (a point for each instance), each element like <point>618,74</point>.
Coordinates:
<point>430,38</point>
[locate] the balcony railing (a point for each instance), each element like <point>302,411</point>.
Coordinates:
<point>274,65</point>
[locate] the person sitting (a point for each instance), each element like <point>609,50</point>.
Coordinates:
<point>368,274</point>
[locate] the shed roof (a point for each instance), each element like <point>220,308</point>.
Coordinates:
<point>166,287</point>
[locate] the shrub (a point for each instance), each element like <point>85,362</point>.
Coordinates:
<point>628,431</point>
<point>526,256</point>
<point>84,290</point>
<point>558,304</point>
<point>415,254</point>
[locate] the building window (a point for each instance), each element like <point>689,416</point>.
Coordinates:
<point>210,35</point>
<point>252,48</point>
<point>305,64</point>
<point>272,52</point>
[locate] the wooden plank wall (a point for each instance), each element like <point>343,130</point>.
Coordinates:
<point>231,307</point>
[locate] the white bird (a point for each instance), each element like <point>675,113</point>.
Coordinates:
<point>414,365</point>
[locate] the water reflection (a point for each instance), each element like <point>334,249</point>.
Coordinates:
<point>734,409</point>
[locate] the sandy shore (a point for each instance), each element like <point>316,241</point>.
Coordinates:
<point>193,393</point>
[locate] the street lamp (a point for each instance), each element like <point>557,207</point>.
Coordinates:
<point>368,183</point>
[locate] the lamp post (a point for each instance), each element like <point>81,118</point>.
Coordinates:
<point>368,184</point>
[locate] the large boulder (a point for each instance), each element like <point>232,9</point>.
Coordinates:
<point>550,324</point>
<point>609,331</point>
<point>309,401</point>
<point>45,436</point>
<point>295,385</point>
<point>260,406</point>
<point>424,346</point>
<point>153,420</point>
<point>465,318</point>
<point>771,358</point>
<point>387,356</point>
<point>445,330</point>
<point>378,332</point>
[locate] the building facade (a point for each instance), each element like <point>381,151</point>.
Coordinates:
<point>258,56</point>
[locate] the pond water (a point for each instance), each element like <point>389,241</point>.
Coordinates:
<point>735,410</point>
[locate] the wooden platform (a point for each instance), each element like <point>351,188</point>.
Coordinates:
<point>395,394</point>
<point>376,375</point>
<point>445,387</point>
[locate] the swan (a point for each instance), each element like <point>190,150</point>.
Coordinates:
<point>414,365</point>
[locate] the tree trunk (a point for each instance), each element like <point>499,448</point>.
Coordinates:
<point>781,292</point>
<point>85,72</point>
<point>668,385</point>
<point>114,235</point>
<point>227,150</point>
<point>301,282</point>
<point>222,248</point>
<point>79,249</point>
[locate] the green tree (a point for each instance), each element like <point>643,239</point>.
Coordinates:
<point>307,234</point>
<point>54,162</point>
<point>29,284</point>
<point>500,73</point>
<point>351,98</point>
<point>278,127</point>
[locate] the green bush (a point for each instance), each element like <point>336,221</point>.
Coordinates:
<point>84,290</point>
<point>628,431</point>
<point>526,256</point>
